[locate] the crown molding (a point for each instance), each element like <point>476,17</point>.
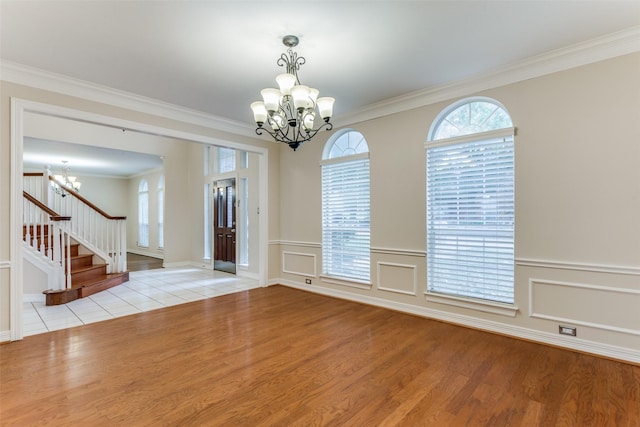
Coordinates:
<point>609,46</point>
<point>28,76</point>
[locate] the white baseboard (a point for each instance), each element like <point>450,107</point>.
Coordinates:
<point>571,343</point>
<point>5,336</point>
<point>180,264</point>
<point>145,253</point>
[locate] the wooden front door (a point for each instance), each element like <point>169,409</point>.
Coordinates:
<point>225,225</point>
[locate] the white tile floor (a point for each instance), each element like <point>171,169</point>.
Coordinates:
<point>145,290</point>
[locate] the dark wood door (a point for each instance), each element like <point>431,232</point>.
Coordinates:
<point>225,225</point>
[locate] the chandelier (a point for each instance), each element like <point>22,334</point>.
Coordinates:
<point>66,180</point>
<point>291,111</point>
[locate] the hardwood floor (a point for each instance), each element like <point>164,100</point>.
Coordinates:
<point>283,357</point>
<point>137,262</point>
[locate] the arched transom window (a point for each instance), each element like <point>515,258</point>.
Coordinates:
<point>470,202</point>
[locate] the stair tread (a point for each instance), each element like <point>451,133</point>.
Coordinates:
<point>87,268</point>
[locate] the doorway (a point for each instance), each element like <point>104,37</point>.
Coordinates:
<point>224,220</point>
<point>20,108</point>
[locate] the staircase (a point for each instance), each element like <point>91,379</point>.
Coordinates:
<point>86,255</point>
<point>87,276</point>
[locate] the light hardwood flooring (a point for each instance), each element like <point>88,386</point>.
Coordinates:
<point>283,357</point>
<point>146,290</point>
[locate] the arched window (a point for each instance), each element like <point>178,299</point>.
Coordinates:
<point>161,212</point>
<point>143,214</point>
<point>470,202</point>
<point>345,207</point>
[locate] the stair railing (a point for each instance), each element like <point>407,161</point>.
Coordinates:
<point>90,225</point>
<point>46,233</point>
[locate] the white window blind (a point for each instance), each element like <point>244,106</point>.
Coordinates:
<point>346,218</point>
<point>470,217</point>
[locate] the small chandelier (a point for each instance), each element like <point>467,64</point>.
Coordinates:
<point>66,180</point>
<point>290,111</point>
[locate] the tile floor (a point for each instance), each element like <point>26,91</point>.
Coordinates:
<point>145,290</point>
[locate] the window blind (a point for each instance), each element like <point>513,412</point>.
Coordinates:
<point>470,218</point>
<point>346,219</point>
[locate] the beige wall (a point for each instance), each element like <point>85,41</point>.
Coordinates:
<point>577,210</point>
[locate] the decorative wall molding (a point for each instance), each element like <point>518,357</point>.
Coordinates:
<point>631,297</point>
<point>24,75</point>
<point>591,268</point>
<point>5,264</point>
<point>478,305</point>
<point>344,282</point>
<point>296,243</point>
<point>299,273</point>
<point>598,49</point>
<point>392,265</point>
<point>400,252</point>
<point>573,343</point>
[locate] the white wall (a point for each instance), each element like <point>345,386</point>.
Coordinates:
<point>577,209</point>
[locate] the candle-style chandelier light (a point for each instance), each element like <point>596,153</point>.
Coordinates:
<point>291,111</point>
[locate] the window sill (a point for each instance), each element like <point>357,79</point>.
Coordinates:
<point>474,304</point>
<point>346,282</point>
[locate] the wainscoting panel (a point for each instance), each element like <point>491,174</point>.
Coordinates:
<point>399,278</point>
<point>302,264</point>
<point>596,306</point>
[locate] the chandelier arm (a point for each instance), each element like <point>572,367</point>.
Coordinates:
<point>289,124</point>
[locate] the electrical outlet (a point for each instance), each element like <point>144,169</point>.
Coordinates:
<point>307,281</point>
<point>567,330</point>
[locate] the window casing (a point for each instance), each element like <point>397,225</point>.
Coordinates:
<point>470,202</point>
<point>346,207</point>
<point>143,214</point>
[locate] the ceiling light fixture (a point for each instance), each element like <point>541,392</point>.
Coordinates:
<point>290,111</point>
<point>68,181</point>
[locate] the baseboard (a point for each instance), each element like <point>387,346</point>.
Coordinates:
<point>570,343</point>
<point>144,253</point>
<point>5,336</point>
<point>180,264</point>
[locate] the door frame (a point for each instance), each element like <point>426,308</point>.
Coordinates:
<point>214,220</point>
<point>21,106</point>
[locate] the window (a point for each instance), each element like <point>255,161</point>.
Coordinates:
<point>161,212</point>
<point>345,207</point>
<point>143,214</point>
<point>470,202</point>
<point>225,160</point>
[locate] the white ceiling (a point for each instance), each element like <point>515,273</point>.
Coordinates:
<point>85,160</point>
<point>215,56</point>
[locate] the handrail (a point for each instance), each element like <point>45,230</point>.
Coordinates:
<point>33,174</point>
<point>103,234</point>
<point>53,215</point>
<point>78,196</point>
<point>46,234</point>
